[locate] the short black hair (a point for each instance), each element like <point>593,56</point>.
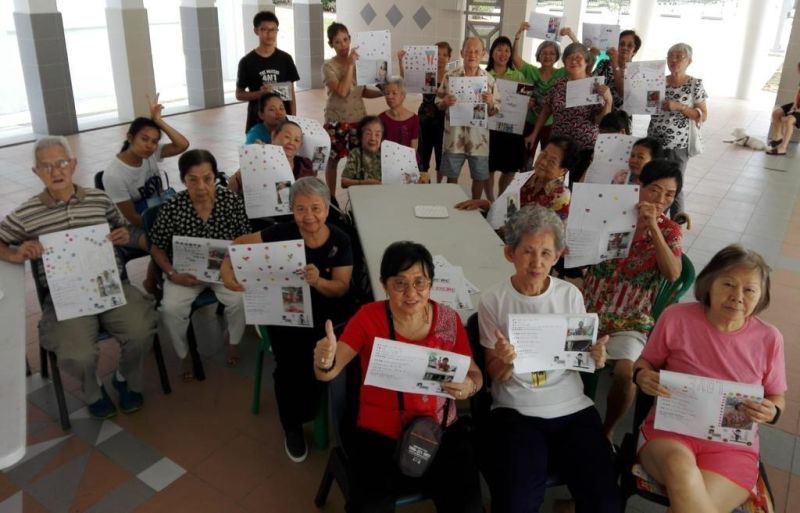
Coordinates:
<point>137,125</point>
<point>195,158</point>
<point>568,147</point>
<point>637,41</point>
<point>652,144</point>
<point>615,122</point>
<point>334,28</point>
<point>502,40</point>
<point>263,16</point>
<point>659,169</point>
<point>403,255</point>
<point>368,120</point>
<point>265,98</point>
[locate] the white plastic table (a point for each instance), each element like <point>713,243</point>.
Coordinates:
<point>13,416</point>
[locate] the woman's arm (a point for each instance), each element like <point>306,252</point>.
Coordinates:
<point>371,93</point>
<point>226,273</point>
<point>342,86</point>
<point>467,388</point>
<point>330,357</point>
<point>178,143</point>
<point>401,55</point>
<point>130,213</point>
<point>337,286</point>
<point>500,359</point>
<point>516,49</point>
<point>669,264</point>
<point>608,102</point>
<point>541,119</point>
<point>162,261</point>
<point>647,378</point>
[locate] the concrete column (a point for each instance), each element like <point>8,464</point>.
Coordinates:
<point>789,75</point>
<point>751,47</point>
<point>45,67</point>
<point>309,43</point>
<point>200,29</point>
<point>643,12</point>
<point>131,56</point>
<point>249,9</point>
<point>573,17</point>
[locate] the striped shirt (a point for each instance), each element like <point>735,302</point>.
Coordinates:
<point>42,214</point>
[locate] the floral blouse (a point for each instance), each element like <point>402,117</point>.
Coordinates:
<point>622,290</point>
<point>362,165</point>
<point>554,195</point>
<point>575,122</point>
<point>672,128</point>
<point>473,141</point>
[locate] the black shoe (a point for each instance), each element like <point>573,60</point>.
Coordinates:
<point>103,408</point>
<point>129,400</point>
<point>295,445</point>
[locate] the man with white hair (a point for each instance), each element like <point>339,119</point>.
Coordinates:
<point>60,206</point>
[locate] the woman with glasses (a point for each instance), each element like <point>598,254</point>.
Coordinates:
<point>329,265</point>
<point>622,290</point>
<point>452,479</point>
<point>684,103</point>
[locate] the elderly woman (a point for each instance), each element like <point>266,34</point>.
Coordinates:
<point>407,316</point>
<point>579,123</point>
<point>206,211</point>
<point>684,103</point>
<point>540,420</point>
<point>329,265</point>
<point>363,165</point>
<point>717,337</point>
<point>622,290</point>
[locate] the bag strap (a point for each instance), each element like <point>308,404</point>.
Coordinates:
<point>400,403</point>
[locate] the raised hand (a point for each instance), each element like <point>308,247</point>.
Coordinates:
<point>325,350</point>
<point>599,353</point>
<point>155,107</point>
<point>503,348</point>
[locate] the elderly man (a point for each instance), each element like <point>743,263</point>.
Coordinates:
<point>60,206</point>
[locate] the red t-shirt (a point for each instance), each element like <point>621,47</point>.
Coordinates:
<point>378,409</point>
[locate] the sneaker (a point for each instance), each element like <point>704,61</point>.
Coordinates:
<point>129,400</point>
<point>295,445</point>
<point>103,408</point>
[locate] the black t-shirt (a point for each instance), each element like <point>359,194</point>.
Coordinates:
<point>255,71</point>
<point>336,252</point>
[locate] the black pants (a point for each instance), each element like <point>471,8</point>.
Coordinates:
<point>451,481</point>
<point>523,449</point>
<point>431,136</point>
<point>297,390</point>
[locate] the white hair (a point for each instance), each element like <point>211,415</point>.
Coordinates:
<point>50,141</point>
<point>681,47</point>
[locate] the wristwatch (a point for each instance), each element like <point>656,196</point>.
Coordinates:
<point>170,274</point>
<point>777,415</point>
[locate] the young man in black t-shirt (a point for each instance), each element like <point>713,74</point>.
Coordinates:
<point>266,69</point>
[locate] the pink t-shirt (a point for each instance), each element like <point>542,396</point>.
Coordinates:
<point>684,341</point>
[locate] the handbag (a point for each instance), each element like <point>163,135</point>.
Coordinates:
<point>695,137</point>
<point>420,439</point>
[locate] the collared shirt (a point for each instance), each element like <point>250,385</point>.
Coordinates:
<point>473,141</point>
<point>554,195</point>
<point>43,214</point>
<point>227,221</point>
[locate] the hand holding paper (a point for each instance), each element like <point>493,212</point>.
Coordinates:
<point>599,353</point>
<point>649,382</point>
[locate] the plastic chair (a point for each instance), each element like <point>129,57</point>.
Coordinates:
<point>320,421</point>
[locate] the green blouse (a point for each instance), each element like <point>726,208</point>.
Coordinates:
<point>533,76</point>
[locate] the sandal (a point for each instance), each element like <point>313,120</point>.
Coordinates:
<point>233,356</point>
<point>774,151</point>
<point>775,143</point>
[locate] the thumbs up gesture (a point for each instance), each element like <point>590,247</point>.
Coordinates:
<point>599,352</point>
<point>325,350</point>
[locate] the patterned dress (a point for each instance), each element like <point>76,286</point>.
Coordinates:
<point>575,122</point>
<point>554,195</point>
<point>672,128</point>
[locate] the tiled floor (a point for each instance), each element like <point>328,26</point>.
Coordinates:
<point>201,450</point>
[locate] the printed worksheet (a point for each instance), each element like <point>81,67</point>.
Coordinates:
<point>414,369</point>
<point>421,64</point>
<point>598,35</point>
<point>284,89</point>
<point>552,341</point>
<point>374,56</point>
<point>582,92</point>
<point>450,287</point>
<point>513,98</point>
<point>275,292</point>
<point>81,271</point>
<point>266,179</point>
<point>644,87</point>
<point>706,408</point>
<point>543,26</point>
<point>601,224</point>
<point>398,164</point>
<point>509,202</point>
<point>467,89</point>
<point>316,142</point>
<point>468,114</point>
<point>610,163</point>
<point>201,258</point>
<point>440,263</point>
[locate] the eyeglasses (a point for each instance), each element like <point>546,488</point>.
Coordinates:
<point>48,168</point>
<point>401,284</point>
<point>270,30</point>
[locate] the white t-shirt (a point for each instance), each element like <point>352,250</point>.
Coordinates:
<point>123,182</point>
<point>549,394</point>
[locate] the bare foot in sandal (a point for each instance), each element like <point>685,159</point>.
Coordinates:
<point>187,372</point>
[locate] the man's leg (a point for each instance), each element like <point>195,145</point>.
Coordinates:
<point>620,396</point>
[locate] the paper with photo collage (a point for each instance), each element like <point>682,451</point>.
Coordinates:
<point>601,223</point>
<point>398,164</point>
<point>707,408</point>
<point>582,92</point>
<point>469,109</point>
<point>508,202</point>
<point>610,163</point>
<point>284,89</point>
<point>543,26</point>
<point>599,35</point>
<point>374,50</point>
<point>199,257</point>
<point>275,292</point>
<point>420,64</point>
<point>81,271</point>
<point>266,179</point>
<point>316,142</point>
<point>513,100</point>
<point>414,369</point>
<point>450,286</point>
<point>546,342</point>
<point>644,87</point>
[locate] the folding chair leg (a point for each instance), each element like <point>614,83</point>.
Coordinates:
<point>27,367</point>
<point>197,363</point>
<point>58,387</point>
<point>43,362</point>
<point>162,368</point>
<point>325,485</point>
<point>321,424</point>
<point>255,408</point>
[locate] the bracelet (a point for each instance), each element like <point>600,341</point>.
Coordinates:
<point>322,369</point>
<point>636,373</point>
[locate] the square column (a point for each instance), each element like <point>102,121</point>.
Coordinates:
<point>309,42</point>
<point>45,67</point>
<point>131,56</point>
<point>249,9</point>
<point>200,28</point>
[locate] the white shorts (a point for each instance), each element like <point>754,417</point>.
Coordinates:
<point>625,345</point>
